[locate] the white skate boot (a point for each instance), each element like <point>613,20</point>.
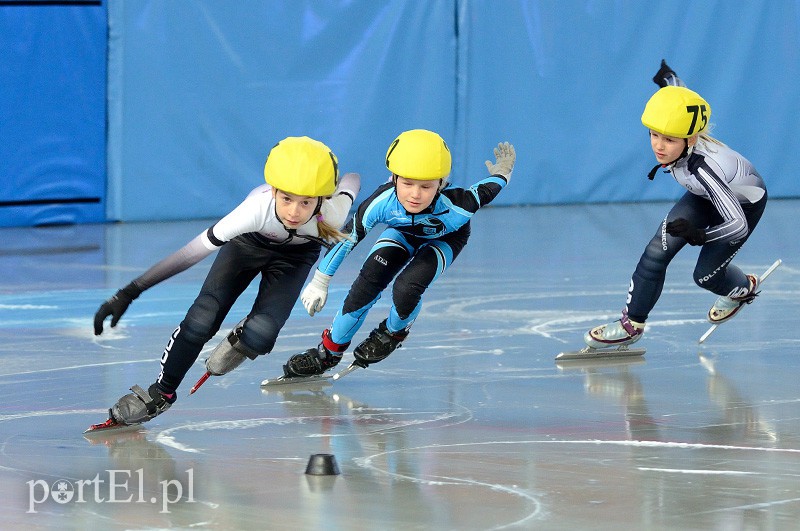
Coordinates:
<point>610,340</point>
<point>619,333</point>
<point>726,307</point>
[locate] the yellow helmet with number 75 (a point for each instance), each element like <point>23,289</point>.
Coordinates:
<point>677,112</point>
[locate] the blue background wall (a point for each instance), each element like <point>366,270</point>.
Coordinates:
<point>198,91</point>
<point>52,113</point>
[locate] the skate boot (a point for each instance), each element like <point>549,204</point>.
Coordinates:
<point>315,361</point>
<point>378,345</point>
<point>619,333</point>
<point>726,307</point>
<point>141,406</point>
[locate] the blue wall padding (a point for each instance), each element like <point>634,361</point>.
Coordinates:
<point>199,90</point>
<point>52,114</point>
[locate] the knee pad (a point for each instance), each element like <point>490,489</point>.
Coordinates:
<point>229,354</point>
<point>199,324</point>
<point>362,294</point>
<point>412,282</point>
<point>406,296</point>
<point>260,332</point>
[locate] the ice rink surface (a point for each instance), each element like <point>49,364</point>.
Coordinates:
<point>470,425</point>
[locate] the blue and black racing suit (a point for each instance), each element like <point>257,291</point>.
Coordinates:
<point>415,248</point>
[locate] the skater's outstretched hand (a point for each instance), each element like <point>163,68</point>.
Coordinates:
<point>316,293</point>
<point>681,228</point>
<point>505,156</point>
<point>115,307</point>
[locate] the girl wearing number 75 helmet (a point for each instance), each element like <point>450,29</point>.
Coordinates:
<point>724,200</point>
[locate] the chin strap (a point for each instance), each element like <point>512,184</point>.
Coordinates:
<point>652,173</point>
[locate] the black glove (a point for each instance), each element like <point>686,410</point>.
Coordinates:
<point>681,228</point>
<point>663,74</point>
<point>115,307</point>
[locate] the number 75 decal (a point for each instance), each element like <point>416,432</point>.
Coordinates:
<point>697,110</point>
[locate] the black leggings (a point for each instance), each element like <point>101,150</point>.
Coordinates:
<point>713,272</point>
<point>283,271</point>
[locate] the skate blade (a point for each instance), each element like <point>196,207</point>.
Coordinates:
<point>294,380</point>
<point>110,426</point>
<point>347,370</point>
<point>589,353</point>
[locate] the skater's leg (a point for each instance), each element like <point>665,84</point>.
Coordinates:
<point>226,280</point>
<point>427,265</point>
<point>715,272</point>
<point>280,286</point>
<point>386,258</point>
<point>647,281</point>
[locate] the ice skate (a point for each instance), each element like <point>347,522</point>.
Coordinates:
<point>727,307</point>
<point>136,408</point>
<point>311,365</point>
<point>619,333</point>
<point>380,343</point>
<point>610,340</point>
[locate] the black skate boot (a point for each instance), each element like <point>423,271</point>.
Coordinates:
<point>378,345</point>
<point>135,408</point>
<point>141,406</point>
<point>315,360</point>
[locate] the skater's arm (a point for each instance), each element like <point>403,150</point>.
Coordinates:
<point>711,177</point>
<point>242,219</point>
<point>180,260</point>
<point>484,191</point>
<point>667,77</point>
<point>335,209</point>
<point>368,214</point>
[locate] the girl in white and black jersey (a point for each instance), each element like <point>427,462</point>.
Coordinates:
<point>724,201</point>
<point>277,232</point>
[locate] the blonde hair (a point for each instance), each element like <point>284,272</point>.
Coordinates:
<point>328,232</point>
<point>707,138</point>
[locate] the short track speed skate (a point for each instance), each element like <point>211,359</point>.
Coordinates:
<point>590,353</point>
<point>612,340</point>
<point>135,408</point>
<point>761,280</point>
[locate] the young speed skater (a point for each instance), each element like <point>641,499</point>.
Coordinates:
<point>277,232</point>
<point>724,201</point>
<point>428,225</point>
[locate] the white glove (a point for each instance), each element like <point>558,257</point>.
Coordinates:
<point>316,293</point>
<point>506,156</point>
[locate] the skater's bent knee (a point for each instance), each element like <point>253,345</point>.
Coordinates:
<point>260,332</point>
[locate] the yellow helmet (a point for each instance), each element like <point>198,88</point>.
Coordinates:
<point>676,111</point>
<point>302,166</point>
<point>420,155</point>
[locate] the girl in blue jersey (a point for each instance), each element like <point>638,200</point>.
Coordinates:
<point>277,232</point>
<point>724,201</point>
<point>428,224</point>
